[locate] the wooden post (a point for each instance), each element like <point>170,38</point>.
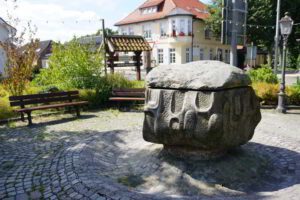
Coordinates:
<point>138,65</point>
<point>103,42</point>
<point>111,63</point>
<point>29,118</point>
<point>147,61</point>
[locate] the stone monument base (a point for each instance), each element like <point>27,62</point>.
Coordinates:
<point>186,152</point>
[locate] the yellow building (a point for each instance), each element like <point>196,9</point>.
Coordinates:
<point>176,31</point>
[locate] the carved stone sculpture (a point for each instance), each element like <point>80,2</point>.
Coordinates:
<point>205,106</point>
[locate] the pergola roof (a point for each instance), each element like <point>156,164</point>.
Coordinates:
<point>127,43</point>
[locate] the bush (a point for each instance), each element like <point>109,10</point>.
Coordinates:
<point>99,96</point>
<point>293,94</point>
<point>264,74</point>
<point>3,92</point>
<point>266,92</point>
<point>71,66</point>
<point>5,109</point>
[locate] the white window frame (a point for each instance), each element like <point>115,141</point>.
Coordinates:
<point>219,54</point>
<point>160,56</point>
<point>201,54</point>
<point>149,10</point>
<point>188,55</point>
<point>211,54</point>
<point>147,31</point>
<point>182,26</point>
<point>123,31</point>
<point>207,34</point>
<point>174,27</point>
<point>227,56</point>
<point>190,26</point>
<point>163,29</point>
<point>130,30</point>
<point>172,55</point>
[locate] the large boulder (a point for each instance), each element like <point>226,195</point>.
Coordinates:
<point>201,75</point>
<point>205,106</point>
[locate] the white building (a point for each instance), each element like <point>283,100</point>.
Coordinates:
<point>176,31</point>
<point>6,31</point>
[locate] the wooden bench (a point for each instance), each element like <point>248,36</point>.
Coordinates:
<point>128,94</point>
<point>45,102</point>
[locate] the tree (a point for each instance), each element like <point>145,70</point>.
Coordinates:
<point>215,19</point>
<point>262,13</point>
<point>108,32</point>
<point>20,59</point>
<point>72,65</point>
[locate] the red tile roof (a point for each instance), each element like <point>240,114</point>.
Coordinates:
<point>151,3</point>
<point>195,7</point>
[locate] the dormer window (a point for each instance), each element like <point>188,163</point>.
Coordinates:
<point>149,10</point>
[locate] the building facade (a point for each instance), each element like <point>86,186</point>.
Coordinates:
<point>6,31</point>
<point>176,31</point>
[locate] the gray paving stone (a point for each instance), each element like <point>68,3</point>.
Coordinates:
<point>22,197</point>
<point>89,159</point>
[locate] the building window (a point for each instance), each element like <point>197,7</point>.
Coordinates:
<point>130,31</point>
<point>211,54</point>
<point>187,55</point>
<point>182,26</point>
<point>173,27</point>
<point>147,31</point>
<point>227,56</point>
<point>172,55</point>
<point>220,54</point>
<point>149,10</point>
<point>160,56</point>
<point>201,54</point>
<point>207,33</point>
<point>163,29</point>
<point>190,27</point>
<point>123,31</point>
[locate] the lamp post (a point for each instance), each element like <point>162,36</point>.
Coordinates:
<point>286,26</point>
<point>277,37</point>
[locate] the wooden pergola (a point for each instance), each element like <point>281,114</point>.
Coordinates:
<point>123,44</point>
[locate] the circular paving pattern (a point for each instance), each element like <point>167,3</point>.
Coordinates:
<point>97,158</point>
<point>126,160</point>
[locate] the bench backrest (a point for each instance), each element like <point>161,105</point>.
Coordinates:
<point>128,92</point>
<point>24,100</point>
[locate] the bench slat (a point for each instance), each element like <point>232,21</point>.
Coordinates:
<point>46,95</point>
<point>126,99</point>
<point>128,94</point>
<point>53,106</point>
<point>128,90</point>
<point>43,100</point>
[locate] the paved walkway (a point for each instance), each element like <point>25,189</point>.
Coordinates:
<point>103,156</point>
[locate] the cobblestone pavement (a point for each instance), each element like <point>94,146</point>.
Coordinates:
<point>103,156</point>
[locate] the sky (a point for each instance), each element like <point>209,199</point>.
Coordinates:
<point>60,20</point>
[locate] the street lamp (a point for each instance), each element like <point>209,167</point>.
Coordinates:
<point>286,26</point>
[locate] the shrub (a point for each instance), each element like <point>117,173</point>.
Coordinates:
<point>264,74</point>
<point>71,66</point>
<point>6,111</point>
<point>266,92</point>
<point>293,94</point>
<point>49,89</point>
<point>3,92</point>
<point>118,81</point>
<point>138,84</point>
<point>99,96</point>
